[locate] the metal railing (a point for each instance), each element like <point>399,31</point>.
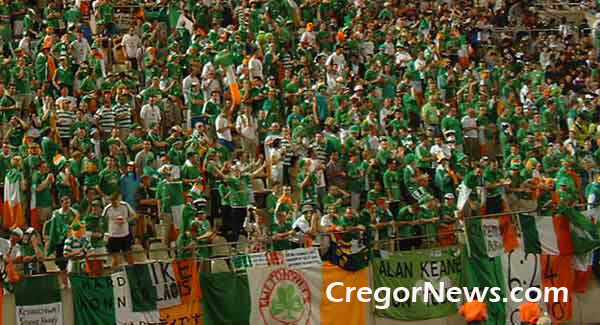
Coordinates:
<point>268,240</point>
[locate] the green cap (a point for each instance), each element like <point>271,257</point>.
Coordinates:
<point>409,158</point>
<point>76,227</point>
<point>135,126</point>
<point>354,129</point>
<point>110,142</point>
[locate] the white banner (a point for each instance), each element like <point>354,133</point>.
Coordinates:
<point>302,257</point>
<point>50,314</point>
<point>520,270</point>
<point>258,259</point>
<point>492,237</point>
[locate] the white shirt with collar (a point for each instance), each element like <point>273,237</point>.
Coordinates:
<point>221,122</point>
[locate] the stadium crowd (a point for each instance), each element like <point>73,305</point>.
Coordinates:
<point>282,120</point>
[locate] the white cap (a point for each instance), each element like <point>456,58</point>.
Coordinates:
<point>17,231</point>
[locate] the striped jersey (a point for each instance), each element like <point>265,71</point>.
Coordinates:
<point>65,120</point>
<point>106,118</point>
<point>124,121</point>
<point>286,147</point>
<point>77,245</point>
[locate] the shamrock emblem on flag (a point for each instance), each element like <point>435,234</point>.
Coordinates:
<point>287,306</point>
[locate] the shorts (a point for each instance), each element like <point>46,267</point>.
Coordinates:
<point>227,144</point>
<point>119,244</point>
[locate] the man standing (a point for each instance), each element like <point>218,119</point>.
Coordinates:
<point>247,127</point>
<point>109,179</point>
<point>118,214</point>
<point>223,127</point>
<point>169,193</point>
<point>41,192</point>
<point>132,44</point>
<point>57,228</point>
<point>150,113</point>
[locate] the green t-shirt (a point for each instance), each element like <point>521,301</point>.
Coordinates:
<point>189,171</point>
<point>109,181</point>
<point>276,228</point>
<point>356,182</point>
<point>170,195</point>
<point>239,196</point>
<point>43,199</point>
<point>492,176</point>
<point>58,227</point>
<point>391,183</point>
<point>106,12</point>
<point>95,224</point>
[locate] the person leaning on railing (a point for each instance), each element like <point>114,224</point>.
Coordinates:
<point>32,252</point>
<point>192,242</point>
<point>281,230</point>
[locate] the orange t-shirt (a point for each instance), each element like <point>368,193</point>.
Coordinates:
<point>474,311</point>
<point>530,312</point>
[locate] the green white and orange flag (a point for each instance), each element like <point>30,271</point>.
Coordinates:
<point>12,205</point>
<point>140,294</point>
<point>286,295</point>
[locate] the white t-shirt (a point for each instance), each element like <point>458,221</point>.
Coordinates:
<point>222,122</point>
<point>327,221</point>
<point>118,225</point>
<point>247,126</point>
<point>186,86</point>
<point>309,37</point>
<point>150,114</point>
<point>469,122</point>
<point>131,43</point>
<point>256,68</point>
<point>338,60</point>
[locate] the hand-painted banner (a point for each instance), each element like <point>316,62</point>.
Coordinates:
<point>188,281</point>
<point>413,269</point>
<point>493,237</point>
<point>521,270</point>
<point>558,272</point>
<point>108,300</point>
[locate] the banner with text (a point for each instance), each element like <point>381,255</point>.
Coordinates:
<point>521,270</point>
<point>413,269</point>
<point>38,301</point>
<point>40,314</point>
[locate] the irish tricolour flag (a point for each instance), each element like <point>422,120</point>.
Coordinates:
<point>12,205</point>
<point>140,294</point>
<point>283,296</point>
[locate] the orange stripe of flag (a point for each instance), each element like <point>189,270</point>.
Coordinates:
<point>562,229</point>
<point>343,313</point>
<point>557,272</point>
<point>190,309</point>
